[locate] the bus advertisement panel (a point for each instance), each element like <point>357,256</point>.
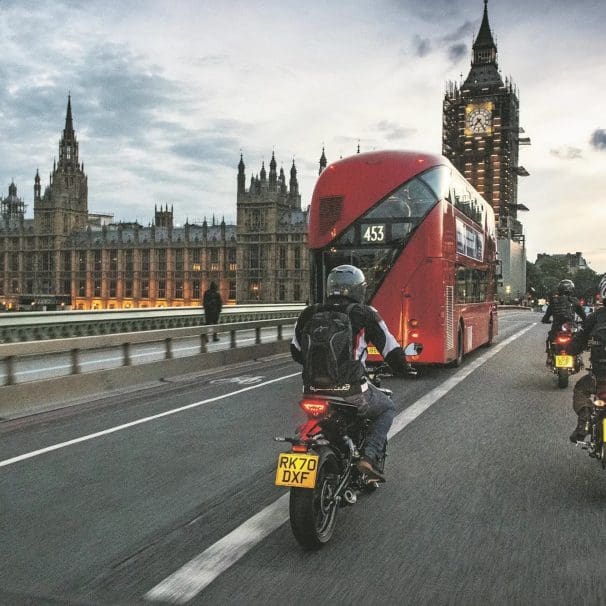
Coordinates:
<point>425,240</point>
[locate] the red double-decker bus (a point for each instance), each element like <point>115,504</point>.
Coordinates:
<point>425,240</point>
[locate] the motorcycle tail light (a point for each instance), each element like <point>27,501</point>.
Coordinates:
<point>314,408</point>
<point>599,403</point>
<point>563,339</point>
<point>299,447</point>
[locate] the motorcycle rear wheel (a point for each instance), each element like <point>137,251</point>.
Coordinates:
<point>562,378</point>
<point>313,513</point>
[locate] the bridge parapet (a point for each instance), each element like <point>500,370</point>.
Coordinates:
<point>41,326</point>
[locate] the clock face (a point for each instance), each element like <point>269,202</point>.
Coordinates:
<point>478,120</point>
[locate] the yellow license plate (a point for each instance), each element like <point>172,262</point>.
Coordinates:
<point>564,361</point>
<point>297,470</point>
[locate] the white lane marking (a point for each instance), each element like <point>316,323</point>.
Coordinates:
<point>193,577</point>
<point>91,436</point>
<point>189,580</point>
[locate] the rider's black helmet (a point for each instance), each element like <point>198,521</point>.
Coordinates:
<point>346,281</point>
<point>566,287</point>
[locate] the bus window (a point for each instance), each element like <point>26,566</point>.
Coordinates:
<point>438,179</point>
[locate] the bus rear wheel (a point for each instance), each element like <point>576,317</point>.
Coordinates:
<point>459,359</point>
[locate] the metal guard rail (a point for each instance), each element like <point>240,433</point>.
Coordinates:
<point>38,326</point>
<point>10,351</point>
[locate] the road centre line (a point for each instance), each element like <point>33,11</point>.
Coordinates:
<point>198,573</point>
<point>91,436</point>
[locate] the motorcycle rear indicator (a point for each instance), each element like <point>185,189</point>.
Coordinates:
<point>314,408</point>
<point>563,339</point>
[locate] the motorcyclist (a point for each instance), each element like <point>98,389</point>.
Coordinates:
<point>587,385</point>
<point>345,285</point>
<point>562,307</point>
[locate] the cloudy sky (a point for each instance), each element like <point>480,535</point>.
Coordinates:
<point>166,94</point>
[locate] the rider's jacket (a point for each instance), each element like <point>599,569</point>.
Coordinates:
<point>586,337</point>
<point>367,326</point>
<point>558,308</point>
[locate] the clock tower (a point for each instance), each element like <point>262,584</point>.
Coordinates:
<point>481,137</point>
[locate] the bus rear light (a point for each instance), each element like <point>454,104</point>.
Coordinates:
<point>414,334</point>
<point>413,323</point>
<point>314,408</point>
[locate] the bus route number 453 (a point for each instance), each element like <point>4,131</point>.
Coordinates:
<point>374,233</point>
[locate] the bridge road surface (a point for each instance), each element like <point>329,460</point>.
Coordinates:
<point>486,501</point>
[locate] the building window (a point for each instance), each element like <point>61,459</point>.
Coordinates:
<point>162,260</point>
<point>112,288</point>
<point>254,290</point>
<point>297,292</point>
<point>113,260</point>
<point>178,289</point>
<point>195,289</point>
<point>297,258</point>
<point>161,289</point>
<point>179,259</point>
<point>145,288</point>
<point>195,255</point>
<point>254,257</point>
<point>145,261</point>
<point>97,288</point>
<point>281,291</point>
<point>67,260</point>
<point>67,286</point>
<point>82,260</point>
<point>128,288</point>
<point>82,288</point>
<point>231,289</point>
<point>129,261</point>
<point>282,258</point>
<point>97,264</point>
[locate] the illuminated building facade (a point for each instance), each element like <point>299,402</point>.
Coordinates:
<point>67,256</point>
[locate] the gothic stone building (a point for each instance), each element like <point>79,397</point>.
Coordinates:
<point>481,137</point>
<point>68,256</point>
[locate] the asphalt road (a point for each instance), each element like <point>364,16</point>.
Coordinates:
<point>486,501</point>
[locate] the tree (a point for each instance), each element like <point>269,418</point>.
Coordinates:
<point>585,282</point>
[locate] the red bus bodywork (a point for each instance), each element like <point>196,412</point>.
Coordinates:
<point>424,238</point>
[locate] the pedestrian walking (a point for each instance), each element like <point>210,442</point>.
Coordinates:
<point>212,307</point>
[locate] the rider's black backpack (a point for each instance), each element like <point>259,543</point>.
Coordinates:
<point>327,347</point>
<point>597,344</point>
<point>562,308</point>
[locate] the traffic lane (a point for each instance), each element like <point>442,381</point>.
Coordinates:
<point>70,512</point>
<point>72,422</point>
<point>486,501</point>
<point>186,481</point>
<point>161,559</point>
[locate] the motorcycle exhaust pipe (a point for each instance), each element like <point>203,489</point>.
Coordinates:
<point>350,497</point>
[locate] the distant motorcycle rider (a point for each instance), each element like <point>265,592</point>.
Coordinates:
<point>346,290</point>
<point>589,335</point>
<point>562,307</point>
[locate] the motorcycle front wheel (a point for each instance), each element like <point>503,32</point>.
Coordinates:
<point>562,378</point>
<point>313,512</point>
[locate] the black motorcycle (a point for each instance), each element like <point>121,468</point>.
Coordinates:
<point>320,468</point>
<point>561,363</point>
<point>596,445</point>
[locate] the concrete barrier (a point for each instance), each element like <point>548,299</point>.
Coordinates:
<point>25,399</point>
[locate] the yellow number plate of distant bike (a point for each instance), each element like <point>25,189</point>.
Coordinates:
<point>564,362</point>
<point>297,470</point>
